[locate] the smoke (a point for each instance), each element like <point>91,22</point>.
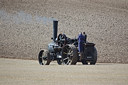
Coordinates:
<point>24,18</point>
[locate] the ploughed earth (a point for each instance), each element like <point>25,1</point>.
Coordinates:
<point>26,26</point>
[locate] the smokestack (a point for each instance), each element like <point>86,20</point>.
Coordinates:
<point>55,29</point>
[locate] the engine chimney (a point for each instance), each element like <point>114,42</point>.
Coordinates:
<point>55,29</point>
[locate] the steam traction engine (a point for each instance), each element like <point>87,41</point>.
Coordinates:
<point>65,51</point>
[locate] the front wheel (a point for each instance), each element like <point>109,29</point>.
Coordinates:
<point>44,57</point>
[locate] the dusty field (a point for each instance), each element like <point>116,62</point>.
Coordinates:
<point>29,72</point>
<point>26,26</point>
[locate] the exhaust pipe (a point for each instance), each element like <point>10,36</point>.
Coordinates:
<point>55,29</point>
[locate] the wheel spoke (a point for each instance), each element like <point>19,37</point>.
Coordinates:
<point>65,59</point>
<point>69,55</point>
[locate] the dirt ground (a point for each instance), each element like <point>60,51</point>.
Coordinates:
<point>26,28</point>
<point>29,72</point>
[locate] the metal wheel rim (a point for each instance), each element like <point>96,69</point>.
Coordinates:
<point>43,60</point>
<point>68,58</point>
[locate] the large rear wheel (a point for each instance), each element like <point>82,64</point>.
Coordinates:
<point>69,55</point>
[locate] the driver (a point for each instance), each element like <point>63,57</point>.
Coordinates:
<point>62,39</point>
<point>60,36</point>
<point>65,38</point>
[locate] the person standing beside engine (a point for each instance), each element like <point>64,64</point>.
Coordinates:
<point>81,40</point>
<point>85,37</point>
